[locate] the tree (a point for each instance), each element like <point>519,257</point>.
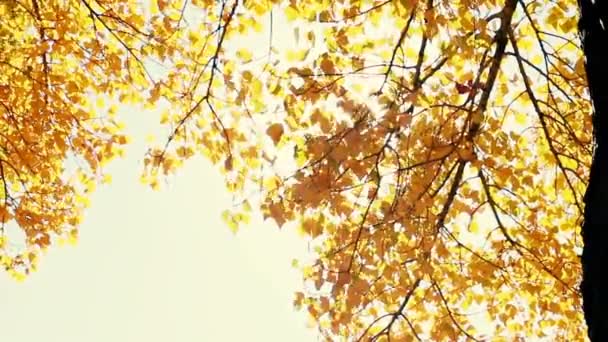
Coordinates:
<point>435,152</point>
<point>65,67</point>
<point>594,36</point>
<point>53,141</point>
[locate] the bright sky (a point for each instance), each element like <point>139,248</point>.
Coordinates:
<point>160,266</point>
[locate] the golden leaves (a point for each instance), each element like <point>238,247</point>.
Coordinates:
<point>230,220</point>
<point>244,55</point>
<point>412,169</point>
<point>466,152</point>
<point>275,210</point>
<point>65,71</point>
<point>386,184</point>
<point>313,227</point>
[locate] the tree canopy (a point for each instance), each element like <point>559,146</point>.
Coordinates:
<point>435,152</point>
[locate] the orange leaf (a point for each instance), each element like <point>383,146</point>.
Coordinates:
<point>328,66</point>
<point>275,132</point>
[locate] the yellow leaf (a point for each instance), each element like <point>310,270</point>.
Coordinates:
<point>298,55</point>
<point>107,179</point>
<point>520,118</point>
<point>244,54</point>
<point>291,13</point>
<point>229,219</point>
<point>474,227</point>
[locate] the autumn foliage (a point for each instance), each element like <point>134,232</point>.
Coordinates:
<point>435,152</point>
